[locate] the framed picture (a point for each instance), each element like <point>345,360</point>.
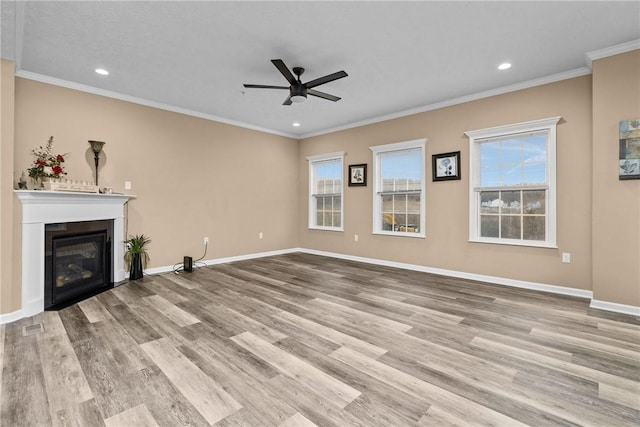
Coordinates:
<point>358,175</point>
<point>629,161</point>
<point>446,166</point>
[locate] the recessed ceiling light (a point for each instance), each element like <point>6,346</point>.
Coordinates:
<point>102,71</point>
<point>504,66</point>
<point>296,124</point>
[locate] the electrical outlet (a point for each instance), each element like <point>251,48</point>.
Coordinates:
<point>355,237</point>
<point>260,235</point>
<point>566,257</point>
<point>127,185</point>
<point>206,240</point>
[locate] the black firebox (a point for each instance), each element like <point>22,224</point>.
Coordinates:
<point>78,260</point>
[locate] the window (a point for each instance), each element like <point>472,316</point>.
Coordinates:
<point>512,186</point>
<point>325,191</point>
<point>398,198</point>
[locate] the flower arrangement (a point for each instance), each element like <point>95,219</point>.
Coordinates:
<point>46,164</point>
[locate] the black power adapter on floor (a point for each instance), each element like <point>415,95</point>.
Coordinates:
<point>188,264</point>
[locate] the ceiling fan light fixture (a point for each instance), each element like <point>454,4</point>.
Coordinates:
<point>297,90</point>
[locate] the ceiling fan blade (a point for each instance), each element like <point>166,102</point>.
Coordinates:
<point>325,79</point>
<point>287,101</point>
<point>284,71</point>
<point>323,95</point>
<point>265,87</point>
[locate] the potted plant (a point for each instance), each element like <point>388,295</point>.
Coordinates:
<point>136,255</point>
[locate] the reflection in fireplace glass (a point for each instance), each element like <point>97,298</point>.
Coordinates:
<point>77,262</point>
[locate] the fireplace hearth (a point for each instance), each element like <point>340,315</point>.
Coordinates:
<point>77,261</point>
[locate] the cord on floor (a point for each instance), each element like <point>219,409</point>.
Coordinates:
<point>178,267</point>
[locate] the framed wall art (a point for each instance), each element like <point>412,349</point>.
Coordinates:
<point>446,166</point>
<point>358,175</point>
<point>629,161</point>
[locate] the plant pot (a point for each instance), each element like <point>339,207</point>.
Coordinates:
<point>135,270</point>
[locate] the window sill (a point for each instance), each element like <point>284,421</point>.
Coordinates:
<point>326,228</point>
<point>399,234</point>
<point>526,243</point>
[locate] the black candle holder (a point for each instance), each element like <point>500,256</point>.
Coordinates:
<point>96,146</point>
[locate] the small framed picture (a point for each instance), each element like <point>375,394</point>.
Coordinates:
<point>358,175</point>
<point>446,166</point>
<point>629,162</point>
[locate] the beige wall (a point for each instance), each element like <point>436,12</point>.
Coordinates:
<point>8,292</point>
<point>446,244</point>
<point>196,178</point>
<point>616,204</point>
<point>192,177</point>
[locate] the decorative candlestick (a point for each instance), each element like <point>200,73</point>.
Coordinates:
<point>96,146</point>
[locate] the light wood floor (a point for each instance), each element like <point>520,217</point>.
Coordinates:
<point>302,340</point>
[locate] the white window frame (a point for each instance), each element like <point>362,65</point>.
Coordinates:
<point>377,186</point>
<point>482,135</point>
<point>312,201</point>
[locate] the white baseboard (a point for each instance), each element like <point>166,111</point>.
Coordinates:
<point>561,290</point>
<point>581,293</point>
<point>618,308</point>
<point>169,268</point>
<point>11,317</point>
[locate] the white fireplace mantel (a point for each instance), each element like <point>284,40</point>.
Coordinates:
<point>50,207</point>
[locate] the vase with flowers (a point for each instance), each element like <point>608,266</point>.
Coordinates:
<point>46,164</point>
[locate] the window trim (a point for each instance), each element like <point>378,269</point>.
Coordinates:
<point>377,200</point>
<point>339,155</point>
<point>547,125</point>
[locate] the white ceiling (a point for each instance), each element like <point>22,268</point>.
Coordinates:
<point>400,56</point>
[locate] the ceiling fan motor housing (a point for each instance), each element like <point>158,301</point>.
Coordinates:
<point>298,90</point>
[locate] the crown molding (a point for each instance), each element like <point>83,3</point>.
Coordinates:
<point>20,11</point>
<point>135,100</point>
<point>578,72</point>
<point>611,51</point>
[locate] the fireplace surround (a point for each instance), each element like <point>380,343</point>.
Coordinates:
<point>40,208</point>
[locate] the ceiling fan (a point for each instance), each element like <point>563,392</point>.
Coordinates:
<point>298,91</point>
